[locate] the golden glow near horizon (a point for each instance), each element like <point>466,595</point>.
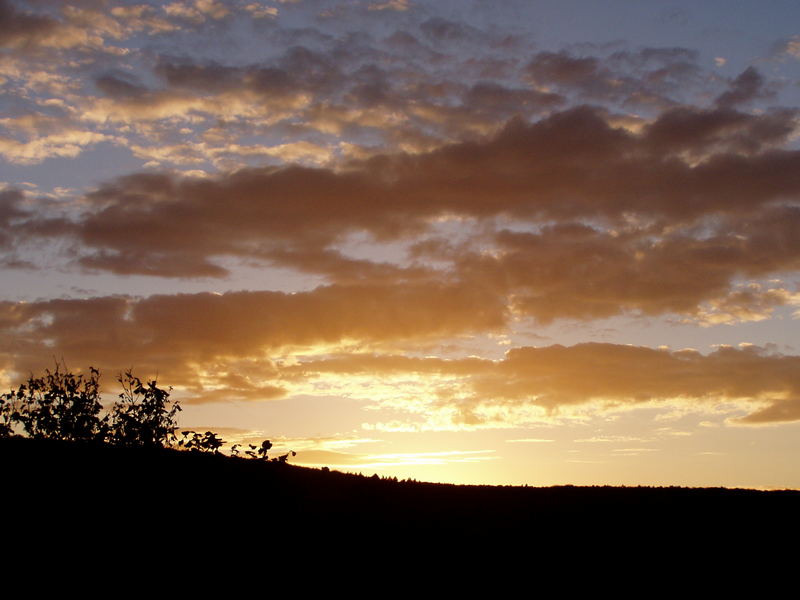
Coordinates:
<point>517,243</point>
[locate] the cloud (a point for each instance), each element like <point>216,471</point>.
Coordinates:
<point>490,96</point>
<point>747,303</point>
<point>255,213</point>
<point>648,77</point>
<point>698,133</point>
<point>395,5</point>
<point>558,379</point>
<point>10,210</point>
<point>66,143</point>
<point>606,220</point>
<point>30,33</point>
<point>236,388</point>
<point>789,47</point>
<point>142,17</point>
<point>198,11</point>
<point>441,30</point>
<point>353,460</point>
<point>749,85</point>
<point>572,270</point>
<point>217,347</point>
<point>180,97</point>
<point>21,29</point>
<point>184,336</point>
<point>441,179</point>
<point>261,11</point>
<point>784,411</point>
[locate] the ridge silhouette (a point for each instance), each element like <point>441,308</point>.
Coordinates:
<point>65,462</point>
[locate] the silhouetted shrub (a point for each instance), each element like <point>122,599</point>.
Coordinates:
<point>201,442</point>
<point>284,457</point>
<point>262,451</point>
<point>59,405</point>
<point>63,406</point>
<point>144,415</point>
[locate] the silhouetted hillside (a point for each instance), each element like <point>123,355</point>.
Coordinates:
<point>69,485</point>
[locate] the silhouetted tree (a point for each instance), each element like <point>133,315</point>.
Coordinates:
<point>144,415</point>
<point>64,406</point>
<point>59,405</point>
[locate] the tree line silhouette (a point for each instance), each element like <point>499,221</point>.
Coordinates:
<point>61,405</point>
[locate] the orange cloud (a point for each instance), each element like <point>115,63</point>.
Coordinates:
<point>185,335</point>
<point>607,376</point>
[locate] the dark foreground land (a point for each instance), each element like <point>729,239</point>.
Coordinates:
<point>65,488</point>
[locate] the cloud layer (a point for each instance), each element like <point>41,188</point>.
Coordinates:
<point>220,347</point>
<point>427,178</point>
<point>570,216</point>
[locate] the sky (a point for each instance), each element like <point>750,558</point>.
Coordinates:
<point>518,242</point>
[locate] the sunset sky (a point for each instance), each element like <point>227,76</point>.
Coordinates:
<point>509,242</point>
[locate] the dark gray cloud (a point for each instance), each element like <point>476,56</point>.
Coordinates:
<point>654,77</point>
<point>748,86</point>
<point>22,29</point>
<point>10,201</point>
